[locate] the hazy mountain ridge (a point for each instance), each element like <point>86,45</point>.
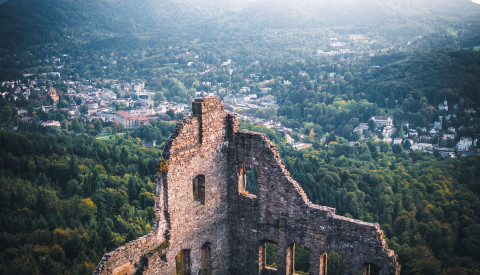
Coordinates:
<point>32,22</point>
<point>366,13</point>
<point>29,22</point>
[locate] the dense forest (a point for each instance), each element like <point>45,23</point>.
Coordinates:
<point>66,199</point>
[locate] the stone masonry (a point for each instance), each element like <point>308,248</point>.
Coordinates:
<point>207,224</point>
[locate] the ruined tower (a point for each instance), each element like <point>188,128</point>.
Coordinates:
<point>206,222</point>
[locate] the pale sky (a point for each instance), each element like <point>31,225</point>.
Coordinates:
<point>476,1</point>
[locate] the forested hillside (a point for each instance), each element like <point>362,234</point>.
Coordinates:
<point>428,208</point>
<point>434,75</point>
<point>66,22</point>
<point>402,85</point>
<point>65,201</point>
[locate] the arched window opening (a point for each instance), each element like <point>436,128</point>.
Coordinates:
<point>248,181</point>
<point>268,256</point>
<point>206,259</point>
<point>199,189</point>
<point>182,261</point>
<point>370,269</point>
<point>336,263</point>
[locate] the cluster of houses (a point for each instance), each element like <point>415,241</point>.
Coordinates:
<point>21,89</point>
<point>137,117</point>
<point>434,139</point>
<point>99,101</point>
<point>249,101</point>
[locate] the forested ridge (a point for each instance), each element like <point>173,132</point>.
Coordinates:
<point>65,201</point>
<point>435,75</point>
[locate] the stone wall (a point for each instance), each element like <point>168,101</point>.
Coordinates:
<point>232,223</point>
<point>281,213</point>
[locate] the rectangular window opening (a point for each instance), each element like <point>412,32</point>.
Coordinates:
<point>271,255</point>
<point>268,257</point>
<point>182,261</point>
<point>370,269</point>
<point>199,189</point>
<point>248,181</point>
<point>302,260</point>
<point>336,263</point>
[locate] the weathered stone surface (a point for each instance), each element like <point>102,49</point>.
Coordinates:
<point>233,224</point>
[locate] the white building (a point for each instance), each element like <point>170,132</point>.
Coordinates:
<point>146,98</point>
<point>382,121</point>
<point>421,147</point>
<point>443,106</point>
<point>388,132</point>
<point>51,123</point>
<point>266,90</point>
<point>250,97</point>
<point>449,136</point>
<point>108,116</point>
<point>245,89</point>
<point>142,112</point>
<point>412,133</point>
<point>464,143</point>
<point>138,87</point>
<point>108,95</point>
<point>229,99</point>
<point>359,130</point>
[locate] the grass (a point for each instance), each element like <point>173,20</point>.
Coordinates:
<point>107,137</point>
<point>476,48</point>
<point>452,32</point>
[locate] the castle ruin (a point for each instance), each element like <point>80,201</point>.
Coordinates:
<point>207,223</point>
